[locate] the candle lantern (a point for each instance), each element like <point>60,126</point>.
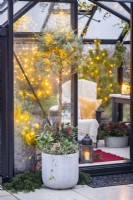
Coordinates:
<point>86,150</point>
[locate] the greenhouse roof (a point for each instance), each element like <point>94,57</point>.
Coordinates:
<point>104,21</point>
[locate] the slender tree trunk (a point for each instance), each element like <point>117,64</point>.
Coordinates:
<point>60,99</point>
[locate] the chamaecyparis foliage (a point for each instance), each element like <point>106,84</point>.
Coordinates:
<point>59,50</point>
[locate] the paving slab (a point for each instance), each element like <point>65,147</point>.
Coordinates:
<point>8,198</point>
<point>124,192</point>
<point>49,194</point>
<point>4,195</point>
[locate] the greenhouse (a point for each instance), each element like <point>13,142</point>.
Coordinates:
<point>61,62</point>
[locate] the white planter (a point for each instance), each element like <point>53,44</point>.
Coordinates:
<point>60,171</point>
<point>116,142</point>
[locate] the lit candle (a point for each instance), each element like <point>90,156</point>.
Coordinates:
<point>125,88</point>
<point>87,155</point>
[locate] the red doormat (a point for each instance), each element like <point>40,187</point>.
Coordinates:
<point>101,156</point>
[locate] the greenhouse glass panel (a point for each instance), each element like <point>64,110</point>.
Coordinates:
<point>116,7</point>
<point>107,28</point>
<point>3,4</point>
<point>3,17</point>
<point>128,4</point>
<point>30,115</point>
<point>3,12</point>
<point>18,5</point>
<point>44,15</point>
<point>127,37</point>
<point>102,69</point>
<point>32,21</point>
<point>60,16</point>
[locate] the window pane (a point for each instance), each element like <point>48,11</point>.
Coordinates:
<point>44,15</point>
<point>127,37</point>
<point>105,29</point>
<point>128,4</point>
<point>17,6</point>
<point>117,8</point>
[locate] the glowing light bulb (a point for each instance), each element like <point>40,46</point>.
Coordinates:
<point>97,58</point>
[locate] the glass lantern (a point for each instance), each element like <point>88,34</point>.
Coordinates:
<point>86,150</point>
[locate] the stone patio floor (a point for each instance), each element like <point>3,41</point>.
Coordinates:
<point>123,192</point>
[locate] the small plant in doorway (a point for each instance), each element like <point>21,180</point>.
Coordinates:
<point>116,129</point>
<point>84,178</point>
<point>115,134</point>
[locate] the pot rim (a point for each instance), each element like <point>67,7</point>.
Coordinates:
<point>61,154</point>
<point>116,136</point>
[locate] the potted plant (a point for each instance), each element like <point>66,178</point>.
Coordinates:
<point>60,50</point>
<point>60,156</point>
<point>115,134</point>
